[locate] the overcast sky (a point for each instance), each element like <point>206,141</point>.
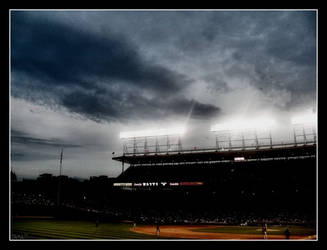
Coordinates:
<point>79,78</point>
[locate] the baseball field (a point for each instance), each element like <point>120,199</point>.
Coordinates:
<point>46,228</point>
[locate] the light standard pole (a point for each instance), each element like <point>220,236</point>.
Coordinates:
<point>59,179</point>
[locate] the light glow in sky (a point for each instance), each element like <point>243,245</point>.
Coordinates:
<point>152,132</point>
<point>259,123</point>
<point>307,118</point>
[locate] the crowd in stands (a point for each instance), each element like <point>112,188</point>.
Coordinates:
<point>241,188</point>
<point>176,216</point>
<point>33,199</point>
<point>179,216</point>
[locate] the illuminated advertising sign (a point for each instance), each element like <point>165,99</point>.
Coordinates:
<point>190,183</point>
<point>150,184</point>
<point>239,158</point>
<point>124,184</point>
<point>156,184</point>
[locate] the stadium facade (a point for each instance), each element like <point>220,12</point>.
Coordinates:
<point>269,181</point>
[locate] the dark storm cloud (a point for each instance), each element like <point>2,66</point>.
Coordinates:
<point>15,156</point>
<point>70,66</point>
<point>216,83</point>
<point>18,137</point>
<point>288,36</point>
<point>28,148</point>
<point>131,105</point>
<point>272,50</point>
<point>62,55</point>
<point>55,64</point>
<point>27,155</point>
<point>194,109</point>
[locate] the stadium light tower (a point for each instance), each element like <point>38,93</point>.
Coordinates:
<point>302,122</point>
<point>59,179</point>
<point>308,118</point>
<point>240,126</point>
<point>244,124</point>
<point>152,133</point>
<point>146,136</point>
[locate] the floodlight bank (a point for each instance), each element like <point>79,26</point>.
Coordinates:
<point>152,132</point>
<point>258,124</point>
<point>304,119</point>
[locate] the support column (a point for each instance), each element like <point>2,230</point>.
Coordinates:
<point>243,141</point>
<point>134,145</point>
<point>122,166</point>
<point>179,144</point>
<point>217,142</point>
<point>295,143</point>
<point>125,150</point>
<point>145,145</point>
<point>157,145</point>
<point>304,136</point>
<point>256,140</point>
<point>230,141</point>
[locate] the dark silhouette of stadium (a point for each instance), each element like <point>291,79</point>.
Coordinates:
<point>267,183</point>
<point>277,185</point>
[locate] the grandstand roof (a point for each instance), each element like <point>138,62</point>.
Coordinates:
<point>208,155</point>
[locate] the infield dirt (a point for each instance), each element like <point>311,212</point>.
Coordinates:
<point>186,232</point>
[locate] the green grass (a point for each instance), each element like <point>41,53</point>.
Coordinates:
<point>60,229</point>
<point>272,230</point>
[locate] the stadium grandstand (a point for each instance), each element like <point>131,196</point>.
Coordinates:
<point>243,183</point>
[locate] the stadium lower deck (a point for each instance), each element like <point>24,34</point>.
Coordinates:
<point>267,182</point>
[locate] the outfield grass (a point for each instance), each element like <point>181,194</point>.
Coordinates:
<point>272,230</point>
<point>60,229</point>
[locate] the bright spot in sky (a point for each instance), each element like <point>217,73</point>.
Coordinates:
<point>153,132</point>
<point>307,118</point>
<point>259,123</point>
